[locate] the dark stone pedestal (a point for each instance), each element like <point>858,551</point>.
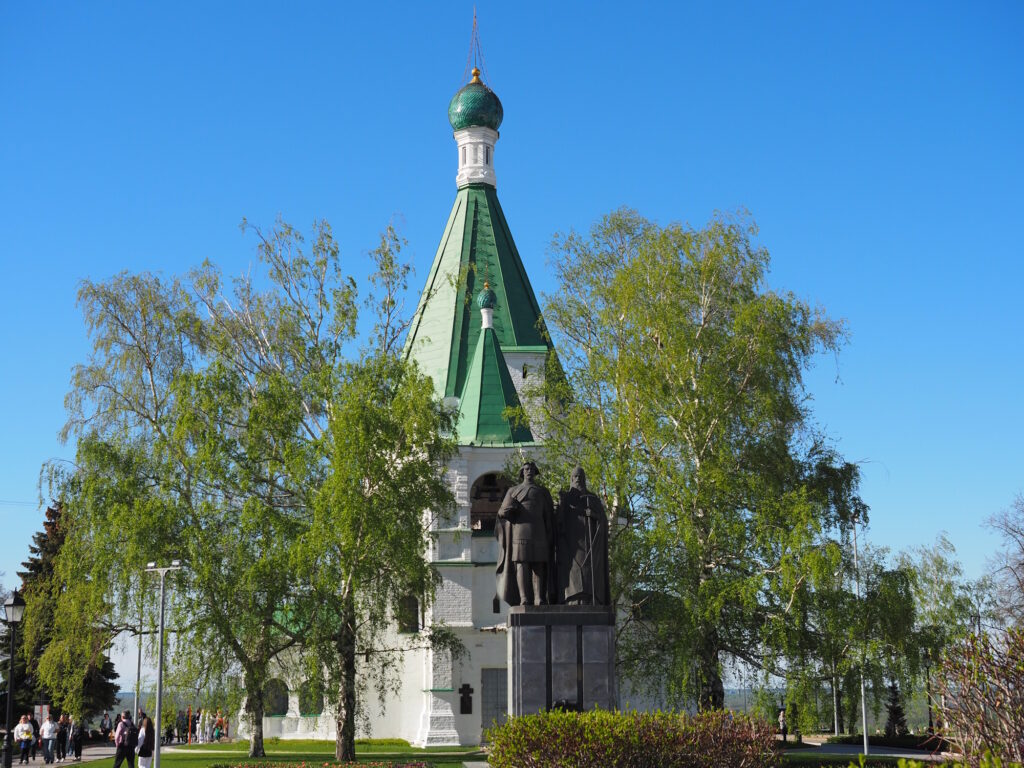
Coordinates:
<point>560,655</point>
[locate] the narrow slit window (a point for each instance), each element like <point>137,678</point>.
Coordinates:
<point>463,155</point>
<point>487,155</point>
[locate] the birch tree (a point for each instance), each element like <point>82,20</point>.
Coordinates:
<point>683,397</point>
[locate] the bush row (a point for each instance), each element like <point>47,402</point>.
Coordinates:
<point>921,741</point>
<point>632,740</point>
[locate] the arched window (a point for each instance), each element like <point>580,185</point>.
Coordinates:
<point>409,614</point>
<point>463,155</point>
<point>311,700</point>
<point>275,698</point>
<point>485,498</point>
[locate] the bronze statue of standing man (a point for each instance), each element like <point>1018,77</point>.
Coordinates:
<point>582,545</point>
<point>525,531</point>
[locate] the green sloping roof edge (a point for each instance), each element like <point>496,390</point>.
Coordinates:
<point>488,391</point>
<point>476,246</point>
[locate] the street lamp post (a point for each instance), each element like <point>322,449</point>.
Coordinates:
<point>163,571</point>
<point>14,610</point>
<point>863,655</point>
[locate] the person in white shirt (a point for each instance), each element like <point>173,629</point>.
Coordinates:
<point>48,733</point>
<point>147,739</point>
<point>23,734</point>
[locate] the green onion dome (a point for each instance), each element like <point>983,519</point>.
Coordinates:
<point>475,105</point>
<point>486,298</point>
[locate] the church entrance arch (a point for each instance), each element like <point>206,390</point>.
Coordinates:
<point>485,497</point>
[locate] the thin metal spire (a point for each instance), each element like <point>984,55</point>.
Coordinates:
<point>475,59</point>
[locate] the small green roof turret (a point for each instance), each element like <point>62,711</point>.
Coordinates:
<point>486,298</point>
<point>475,105</point>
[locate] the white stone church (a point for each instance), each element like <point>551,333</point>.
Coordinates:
<point>478,333</point>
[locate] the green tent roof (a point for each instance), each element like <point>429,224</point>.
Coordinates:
<point>488,392</point>
<point>477,246</point>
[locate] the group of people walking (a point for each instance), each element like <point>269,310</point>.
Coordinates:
<point>60,739</point>
<point>200,727</point>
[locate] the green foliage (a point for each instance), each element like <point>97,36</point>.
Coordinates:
<point>896,719</point>
<point>683,399</point>
<point>909,741</point>
<point>232,426</point>
<point>61,660</point>
<point>557,739</point>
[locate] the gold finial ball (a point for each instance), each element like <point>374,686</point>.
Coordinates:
<point>487,285</point>
<point>476,75</point>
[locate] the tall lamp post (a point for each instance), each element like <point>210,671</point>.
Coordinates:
<point>863,655</point>
<point>163,571</point>
<point>14,610</point>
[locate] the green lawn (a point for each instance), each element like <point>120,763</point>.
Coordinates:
<point>310,751</point>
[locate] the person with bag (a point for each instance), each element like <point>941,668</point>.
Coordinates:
<point>24,736</point>
<point>146,740</point>
<point>126,737</point>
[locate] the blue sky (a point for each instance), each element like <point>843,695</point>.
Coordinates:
<point>878,146</point>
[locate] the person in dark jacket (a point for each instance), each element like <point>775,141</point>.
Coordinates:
<point>62,738</point>
<point>75,738</point>
<point>37,742</point>
<point>147,740</point>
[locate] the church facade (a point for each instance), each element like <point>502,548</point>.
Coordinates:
<point>478,333</point>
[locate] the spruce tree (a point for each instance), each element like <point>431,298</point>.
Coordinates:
<point>896,721</point>
<point>41,586</point>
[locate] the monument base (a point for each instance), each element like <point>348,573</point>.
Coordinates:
<point>561,656</point>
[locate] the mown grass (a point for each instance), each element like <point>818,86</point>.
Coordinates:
<point>313,752</point>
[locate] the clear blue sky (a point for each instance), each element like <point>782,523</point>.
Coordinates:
<point>878,145</point>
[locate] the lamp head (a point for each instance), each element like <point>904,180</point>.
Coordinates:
<point>14,608</point>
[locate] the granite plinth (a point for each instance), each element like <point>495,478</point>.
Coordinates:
<point>561,655</point>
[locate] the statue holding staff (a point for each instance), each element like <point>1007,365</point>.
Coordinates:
<point>581,545</point>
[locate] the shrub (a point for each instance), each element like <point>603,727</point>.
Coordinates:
<point>558,739</point>
<point>982,696</point>
<point>919,741</point>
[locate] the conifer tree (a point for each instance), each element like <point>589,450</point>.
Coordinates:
<point>89,686</point>
<point>896,720</point>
